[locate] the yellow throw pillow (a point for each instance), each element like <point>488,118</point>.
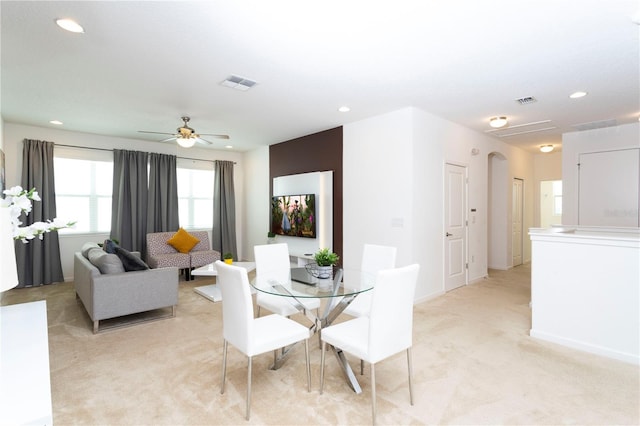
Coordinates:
<point>183,241</point>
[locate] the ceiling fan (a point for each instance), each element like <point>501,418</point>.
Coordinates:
<point>186,136</point>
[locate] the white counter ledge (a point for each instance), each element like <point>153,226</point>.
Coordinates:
<point>585,285</point>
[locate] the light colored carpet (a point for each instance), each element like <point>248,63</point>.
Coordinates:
<point>474,363</point>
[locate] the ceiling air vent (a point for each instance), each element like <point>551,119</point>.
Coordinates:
<point>238,83</point>
<point>595,125</point>
<point>526,100</point>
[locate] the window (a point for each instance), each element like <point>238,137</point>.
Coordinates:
<point>195,194</point>
<point>84,185</point>
<point>83,190</point>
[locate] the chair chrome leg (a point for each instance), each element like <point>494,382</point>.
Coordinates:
<point>248,388</point>
<point>373,392</point>
<point>306,354</point>
<point>224,366</point>
<point>409,364</point>
<point>322,352</point>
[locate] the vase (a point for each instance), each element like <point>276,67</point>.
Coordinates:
<point>228,261</point>
<point>325,272</point>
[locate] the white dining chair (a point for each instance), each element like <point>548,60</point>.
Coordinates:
<point>272,261</point>
<point>252,336</point>
<point>386,331</point>
<point>374,258</point>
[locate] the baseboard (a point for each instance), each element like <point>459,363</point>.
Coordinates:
<point>586,347</point>
<point>428,297</point>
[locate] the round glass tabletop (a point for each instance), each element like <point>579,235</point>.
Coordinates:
<point>300,282</point>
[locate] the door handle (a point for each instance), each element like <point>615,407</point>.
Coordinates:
<point>448,234</point>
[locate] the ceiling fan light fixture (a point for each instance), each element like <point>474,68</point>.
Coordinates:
<point>497,122</point>
<point>186,142</point>
<point>546,148</point>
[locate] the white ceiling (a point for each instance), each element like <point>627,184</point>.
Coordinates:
<point>142,65</point>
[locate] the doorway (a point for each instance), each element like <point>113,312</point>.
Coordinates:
<point>455,216</point>
<point>517,220</point>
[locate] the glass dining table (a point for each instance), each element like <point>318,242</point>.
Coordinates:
<point>339,291</point>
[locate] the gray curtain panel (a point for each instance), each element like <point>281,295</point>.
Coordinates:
<point>39,260</point>
<point>224,209</point>
<point>162,215</point>
<point>129,203</point>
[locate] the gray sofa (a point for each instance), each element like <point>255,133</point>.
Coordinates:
<point>112,295</point>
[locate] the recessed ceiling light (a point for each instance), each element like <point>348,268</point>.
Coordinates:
<point>70,25</point>
<point>57,122</point>
<point>579,94</point>
<point>229,147</point>
<point>344,108</point>
<point>498,122</point>
<point>546,148</point>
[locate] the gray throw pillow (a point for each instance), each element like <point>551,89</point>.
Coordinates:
<point>130,261</point>
<point>88,246</point>
<point>107,263</point>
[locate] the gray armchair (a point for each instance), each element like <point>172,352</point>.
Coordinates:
<point>160,254</point>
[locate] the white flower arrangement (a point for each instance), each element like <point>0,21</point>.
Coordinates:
<point>19,201</point>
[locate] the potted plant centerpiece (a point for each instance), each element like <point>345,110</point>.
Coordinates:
<point>228,258</point>
<point>326,260</point>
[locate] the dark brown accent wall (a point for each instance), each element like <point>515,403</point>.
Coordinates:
<point>318,152</point>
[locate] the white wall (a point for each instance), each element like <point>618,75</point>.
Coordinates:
<point>402,182</point>
<point>14,134</point>
<point>378,189</point>
<point>597,140</point>
<point>256,217</point>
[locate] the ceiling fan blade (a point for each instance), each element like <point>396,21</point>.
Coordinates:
<point>155,133</point>
<point>204,140</point>
<point>168,139</point>
<point>215,136</point>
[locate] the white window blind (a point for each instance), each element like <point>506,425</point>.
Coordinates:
<point>195,194</point>
<point>83,186</point>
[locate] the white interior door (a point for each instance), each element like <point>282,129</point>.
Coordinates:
<point>517,211</point>
<point>455,238</point>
